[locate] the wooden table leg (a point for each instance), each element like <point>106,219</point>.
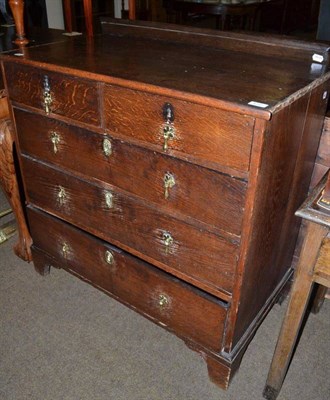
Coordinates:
<point>131,9</point>
<point>299,296</point>
<point>67,15</point>
<point>319,298</point>
<point>88,12</point>
<point>9,184</point>
<point>17,9</point>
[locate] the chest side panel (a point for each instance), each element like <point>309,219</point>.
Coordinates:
<point>288,151</point>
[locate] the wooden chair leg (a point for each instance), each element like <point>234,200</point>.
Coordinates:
<point>9,184</point>
<point>300,293</point>
<point>88,12</point>
<point>17,9</point>
<point>67,15</point>
<point>131,9</point>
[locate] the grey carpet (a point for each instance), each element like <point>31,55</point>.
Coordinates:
<point>61,339</point>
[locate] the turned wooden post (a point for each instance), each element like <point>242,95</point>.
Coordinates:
<point>17,8</point>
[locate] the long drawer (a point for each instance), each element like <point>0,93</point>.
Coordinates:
<point>195,255</point>
<point>174,185</point>
<point>65,95</point>
<point>179,307</point>
<point>199,133</point>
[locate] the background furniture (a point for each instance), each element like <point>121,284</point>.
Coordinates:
<point>9,170</point>
<point>323,30</point>
<point>9,183</point>
<point>322,162</point>
<point>68,6</point>
<point>17,8</point>
<point>7,226</point>
<point>4,12</point>
<point>313,266</point>
<point>240,15</point>
<point>67,9</point>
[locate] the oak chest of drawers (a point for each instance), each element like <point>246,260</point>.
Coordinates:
<point>163,165</point>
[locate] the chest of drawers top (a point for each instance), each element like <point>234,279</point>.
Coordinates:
<point>228,71</point>
<point>216,85</point>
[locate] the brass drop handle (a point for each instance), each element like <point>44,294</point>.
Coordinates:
<point>48,100</point>
<point>168,134</point>
<point>109,258</point>
<point>108,199</point>
<point>55,139</point>
<point>168,241</point>
<point>61,195</point>
<point>107,147</point>
<point>65,250</point>
<point>169,182</point>
<point>163,300</point>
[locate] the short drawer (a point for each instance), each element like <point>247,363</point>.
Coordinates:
<point>213,137</point>
<point>176,186</point>
<point>185,310</point>
<point>72,97</point>
<point>195,255</point>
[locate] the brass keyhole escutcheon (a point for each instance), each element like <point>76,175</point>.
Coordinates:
<point>168,112</point>
<point>168,134</point>
<point>48,100</point>
<point>109,258</point>
<point>61,195</point>
<point>107,147</point>
<point>108,199</point>
<point>55,139</point>
<point>169,182</point>
<point>163,300</point>
<point>168,241</point>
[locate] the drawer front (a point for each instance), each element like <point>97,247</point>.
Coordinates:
<point>202,134</point>
<point>174,185</point>
<point>197,256</point>
<point>183,309</point>
<point>72,97</point>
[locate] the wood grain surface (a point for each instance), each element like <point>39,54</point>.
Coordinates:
<point>285,174</point>
<point>202,134</point>
<point>189,312</point>
<point>199,193</point>
<point>208,72</point>
<point>71,97</point>
<point>199,256</point>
